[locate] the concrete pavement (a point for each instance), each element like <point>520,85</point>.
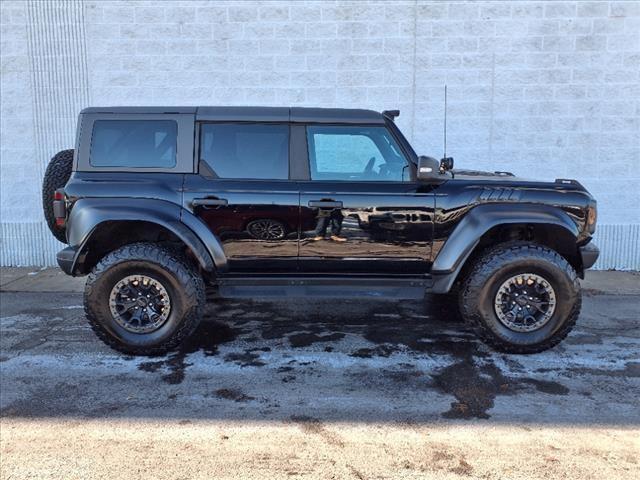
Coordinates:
<point>324,388</point>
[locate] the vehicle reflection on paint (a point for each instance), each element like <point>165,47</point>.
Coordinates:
<point>371,223</point>
<point>257,227</point>
<point>258,223</point>
<point>355,238</point>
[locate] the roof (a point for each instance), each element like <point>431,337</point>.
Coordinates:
<point>260,114</point>
<point>139,110</point>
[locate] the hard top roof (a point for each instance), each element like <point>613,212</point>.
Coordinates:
<point>256,114</point>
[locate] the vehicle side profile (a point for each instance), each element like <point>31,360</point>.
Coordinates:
<point>156,202</point>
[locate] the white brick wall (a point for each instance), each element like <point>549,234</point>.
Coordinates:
<point>544,89</point>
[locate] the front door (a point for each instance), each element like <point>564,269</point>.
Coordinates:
<point>244,195</point>
<point>360,210</point>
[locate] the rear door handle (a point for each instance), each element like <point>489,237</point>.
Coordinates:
<point>209,202</point>
<point>325,203</point>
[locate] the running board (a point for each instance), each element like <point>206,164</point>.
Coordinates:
<point>352,286</point>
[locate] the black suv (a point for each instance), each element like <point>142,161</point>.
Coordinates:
<point>155,202</point>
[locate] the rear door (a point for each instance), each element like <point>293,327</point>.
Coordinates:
<point>361,212</point>
<point>243,193</point>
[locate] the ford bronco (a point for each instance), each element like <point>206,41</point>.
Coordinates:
<point>156,202</point>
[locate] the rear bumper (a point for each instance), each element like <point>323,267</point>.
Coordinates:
<point>589,254</point>
<point>67,258</point>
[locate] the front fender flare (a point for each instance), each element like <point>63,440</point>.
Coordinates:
<point>477,222</point>
<point>88,213</point>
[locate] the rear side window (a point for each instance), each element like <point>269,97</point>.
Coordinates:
<point>134,143</point>
<point>248,151</point>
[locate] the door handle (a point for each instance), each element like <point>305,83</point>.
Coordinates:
<point>325,203</point>
<point>209,202</point>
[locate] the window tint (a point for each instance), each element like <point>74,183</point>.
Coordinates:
<point>246,150</point>
<point>354,153</point>
<point>134,143</point>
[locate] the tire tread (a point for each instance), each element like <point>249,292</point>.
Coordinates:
<point>56,176</point>
<point>189,278</point>
<point>476,279</point>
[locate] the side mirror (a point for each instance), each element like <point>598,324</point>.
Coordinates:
<point>429,170</point>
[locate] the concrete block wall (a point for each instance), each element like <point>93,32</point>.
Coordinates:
<point>543,89</point>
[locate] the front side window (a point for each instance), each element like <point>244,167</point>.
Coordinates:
<point>247,151</point>
<point>134,143</point>
<point>367,153</point>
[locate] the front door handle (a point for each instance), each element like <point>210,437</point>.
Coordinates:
<point>209,202</point>
<point>325,203</point>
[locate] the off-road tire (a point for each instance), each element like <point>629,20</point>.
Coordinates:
<point>56,176</point>
<point>478,290</point>
<point>183,283</point>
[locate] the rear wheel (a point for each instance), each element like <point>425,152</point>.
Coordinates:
<point>266,229</point>
<point>521,298</point>
<point>143,299</point>
<point>56,176</point>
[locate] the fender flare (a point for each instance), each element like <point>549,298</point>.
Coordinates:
<point>89,213</point>
<point>466,235</point>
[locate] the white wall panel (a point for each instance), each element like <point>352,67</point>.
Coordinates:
<point>543,89</point>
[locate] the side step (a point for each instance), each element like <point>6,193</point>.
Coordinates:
<point>352,286</point>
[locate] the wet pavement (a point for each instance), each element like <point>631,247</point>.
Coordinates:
<point>335,359</point>
<point>323,361</point>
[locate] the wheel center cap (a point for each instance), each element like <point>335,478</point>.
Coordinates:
<point>522,301</point>
<point>142,302</point>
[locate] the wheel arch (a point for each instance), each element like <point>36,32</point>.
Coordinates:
<point>98,226</point>
<point>488,225</point>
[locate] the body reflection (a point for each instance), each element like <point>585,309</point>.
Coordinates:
<point>353,232</point>
<point>329,218</point>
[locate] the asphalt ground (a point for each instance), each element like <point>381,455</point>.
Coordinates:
<point>317,388</point>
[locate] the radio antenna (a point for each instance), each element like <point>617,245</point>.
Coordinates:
<point>445,121</point>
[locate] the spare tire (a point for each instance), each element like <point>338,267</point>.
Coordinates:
<point>56,176</point>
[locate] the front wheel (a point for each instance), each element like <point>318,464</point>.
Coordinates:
<point>143,299</point>
<point>521,298</point>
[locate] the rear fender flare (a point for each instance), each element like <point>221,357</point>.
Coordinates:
<point>466,235</point>
<point>87,214</point>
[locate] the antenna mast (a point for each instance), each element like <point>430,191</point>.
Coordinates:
<point>446,164</point>
<point>445,122</point>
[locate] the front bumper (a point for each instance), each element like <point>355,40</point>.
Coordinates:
<point>589,254</point>
<point>67,259</point>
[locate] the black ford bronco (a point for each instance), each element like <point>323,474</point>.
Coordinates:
<point>156,202</point>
